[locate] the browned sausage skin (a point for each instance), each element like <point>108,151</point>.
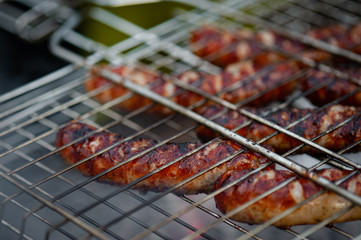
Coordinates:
<point>314,211</point>
<point>223,47</point>
<point>156,158</point>
<point>317,123</point>
<point>280,75</point>
<point>273,83</point>
<point>335,88</point>
<point>339,35</point>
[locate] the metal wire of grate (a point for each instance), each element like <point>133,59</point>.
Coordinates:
<point>34,20</point>
<point>40,192</point>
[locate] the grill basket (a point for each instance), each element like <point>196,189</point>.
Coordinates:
<point>41,197</point>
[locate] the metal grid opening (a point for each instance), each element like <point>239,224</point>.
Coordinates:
<point>40,192</point>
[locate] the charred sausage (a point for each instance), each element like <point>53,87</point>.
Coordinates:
<point>279,75</point>
<point>316,210</point>
<point>317,123</point>
<point>335,88</point>
<point>223,47</point>
<point>156,158</point>
<point>339,35</point>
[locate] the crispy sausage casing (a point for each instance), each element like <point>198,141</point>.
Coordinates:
<point>316,124</point>
<point>339,35</point>
<point>152,160</point>
<point>279,76</point>
<point>335,88</point>
<point>312,212</point>
<point>223,47</point>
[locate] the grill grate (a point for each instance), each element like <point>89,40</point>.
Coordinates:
<point>33,20</point>
<point>40,192</point>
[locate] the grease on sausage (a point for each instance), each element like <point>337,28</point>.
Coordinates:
<point>316,124</point>
<point>156,158</point>
<point>312,212</point>
<point>280,75</point>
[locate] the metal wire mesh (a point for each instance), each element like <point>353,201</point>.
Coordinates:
<point>33,20</point>
<point>40,192</point>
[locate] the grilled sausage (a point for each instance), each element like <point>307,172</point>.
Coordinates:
<point>279,76</point>
<point>317,123</point>
<point>336,88</point>
<point>312,212</point>
<point>332,34</point>
<point>156,158</point>
<point>339,35</point>
<point>355,36</point>
<point>223,47</point>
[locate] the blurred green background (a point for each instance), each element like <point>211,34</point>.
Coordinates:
<point>143,15</point>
